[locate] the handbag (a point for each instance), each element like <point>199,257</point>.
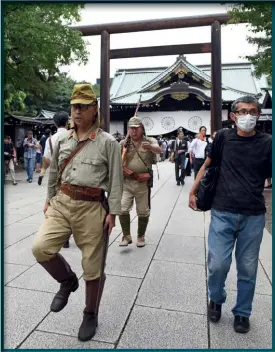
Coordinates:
<point>207,187</point>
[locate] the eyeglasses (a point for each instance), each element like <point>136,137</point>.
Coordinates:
<point>82,107</point>
<point>252,112</point>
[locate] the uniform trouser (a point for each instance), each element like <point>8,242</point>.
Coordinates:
<point>44,167</point>
<point>10,167</point>
<point>197,165</point>
<point>179,165</point>
<point>138,191</point>
<point>82,218</point>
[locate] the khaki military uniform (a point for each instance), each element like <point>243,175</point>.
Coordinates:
<point>97,165</point>
<point>138,191</point>
<point>80,174</point>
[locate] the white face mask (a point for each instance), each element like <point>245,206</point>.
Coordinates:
<point>246,123</point>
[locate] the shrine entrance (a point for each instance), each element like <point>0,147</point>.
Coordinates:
<point>213,47</point>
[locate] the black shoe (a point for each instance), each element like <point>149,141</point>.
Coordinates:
<point>88,327</point>
<point>66,244</point>
<point>178,183</point>
<point>241,324</point>
<point>40,178</point>
<point>182,182</point>
<point>30,181</point>
<point>214,312</point>
<point>61,298</point>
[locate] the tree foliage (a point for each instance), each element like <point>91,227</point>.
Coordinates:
<point>258,17</point>
<point>38,40</point>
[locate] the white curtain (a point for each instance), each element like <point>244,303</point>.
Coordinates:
<point>116,126</point>
<point>161,122</point>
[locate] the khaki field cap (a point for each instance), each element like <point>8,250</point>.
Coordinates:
<point>134,122</point>
<point>83,94</point>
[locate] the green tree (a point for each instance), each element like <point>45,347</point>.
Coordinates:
<point>258,17</point>
<point>38,40</point>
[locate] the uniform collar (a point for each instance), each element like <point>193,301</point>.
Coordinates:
<point>91,134</point>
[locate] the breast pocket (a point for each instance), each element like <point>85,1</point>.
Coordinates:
<point>92,171</point>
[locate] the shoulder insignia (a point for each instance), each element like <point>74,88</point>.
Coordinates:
<point>93,135</point>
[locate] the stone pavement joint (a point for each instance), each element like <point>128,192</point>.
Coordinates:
<point>122,331</point>
<point>154,297</point>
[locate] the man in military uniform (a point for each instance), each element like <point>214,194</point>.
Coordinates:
<point>138,154</point>
<point>86,162</point>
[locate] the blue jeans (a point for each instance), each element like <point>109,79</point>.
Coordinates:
<point>225,230</point>
<point>29,166</point>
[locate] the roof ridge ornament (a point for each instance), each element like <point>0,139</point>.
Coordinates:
<point>181,57</point>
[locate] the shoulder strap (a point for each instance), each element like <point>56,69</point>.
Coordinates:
<point>70,157</point>
<point>223,140</point>
<point>51,145</point>
<point>141,158</point>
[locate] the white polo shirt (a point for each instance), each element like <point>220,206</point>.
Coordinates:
<point>47,151</point>
<point>197,147</point>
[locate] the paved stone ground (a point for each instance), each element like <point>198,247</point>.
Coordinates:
<point>155,297</point>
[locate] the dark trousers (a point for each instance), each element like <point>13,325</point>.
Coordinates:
<point>197,165</point>
<point>179,165</point>
<point>188,166</point>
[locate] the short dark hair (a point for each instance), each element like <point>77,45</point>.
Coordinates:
<point>48,131</point>
<point>202,128</point>
<point>30,131</point>
<point>61,118</point>
<point>6,137</point>
<point>248,99</point>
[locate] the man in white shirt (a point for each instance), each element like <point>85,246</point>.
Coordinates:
<point>197,150</point>
<point>61,120</point>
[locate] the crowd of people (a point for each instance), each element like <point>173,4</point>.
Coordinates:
<point>87,163</point>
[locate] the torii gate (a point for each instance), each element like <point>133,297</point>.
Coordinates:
<point>214,47</point>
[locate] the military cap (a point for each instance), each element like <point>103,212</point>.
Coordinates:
<point>134,122</point>
<point>83,94</point>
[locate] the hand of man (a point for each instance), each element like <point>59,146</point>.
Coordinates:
<point>192,201</point>
<point>146,145</point>
<point>47,204</point>
<point>181,151</point>
<point>110,222</point>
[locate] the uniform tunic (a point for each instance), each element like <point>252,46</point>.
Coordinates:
<point>97,165</point>
<point>133,189</point>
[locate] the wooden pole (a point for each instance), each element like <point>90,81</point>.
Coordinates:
<point>216,72</point>
<point>105,80</point>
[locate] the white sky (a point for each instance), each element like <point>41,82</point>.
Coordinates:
<point>234,43</point>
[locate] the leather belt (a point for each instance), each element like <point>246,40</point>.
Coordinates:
<point>83,193</point>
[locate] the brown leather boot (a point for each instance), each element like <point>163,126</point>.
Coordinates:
<point>88,326</point>
<point>61,271</point>
<point>126,230</point>
<point>142,226</point>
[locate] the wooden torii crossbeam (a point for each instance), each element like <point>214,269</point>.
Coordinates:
<point>214,47</point>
